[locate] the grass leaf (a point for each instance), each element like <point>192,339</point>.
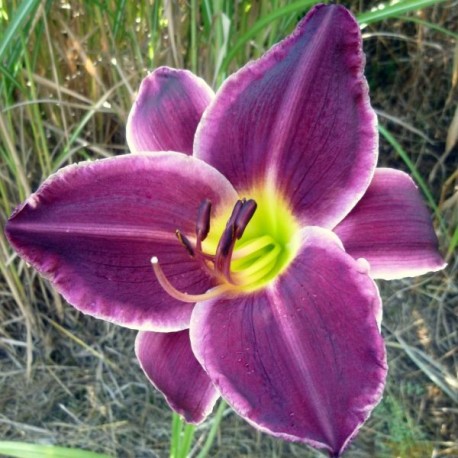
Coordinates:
<point>301,5</point>
<point>394,10</point>
<point>20,16</point>
<point>24,450</point>
<point>413,170</point>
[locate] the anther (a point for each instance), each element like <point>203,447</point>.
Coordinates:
<point>228,238</point>
<point>185,242</point>
<point>244,217</point>
<point>219,264</point>
<point>203,220</point>
<point>235,212</point>
<point>226,241</point>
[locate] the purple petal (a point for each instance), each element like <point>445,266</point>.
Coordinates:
<point>92,229</point>
<point>299,120</point>
<point>302,359</point>
<point>170,365</point>
<point>391,228</point>
<point>168,108</point>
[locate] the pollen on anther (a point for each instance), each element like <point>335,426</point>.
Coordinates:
<point>185,242</point>
<point>154,260</point>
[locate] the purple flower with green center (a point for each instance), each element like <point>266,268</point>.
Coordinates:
<point>266,222</point>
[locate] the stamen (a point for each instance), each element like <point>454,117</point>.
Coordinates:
<point>235,212</point>
<point>203,220</point>
<point>241,215</point>
<point>185,297</point>
<point>251,262</point>
<point>206,263</point>
<point>185,242</point>
<point>244,217</point>
<point>224,252</point>
<point>227,240</point>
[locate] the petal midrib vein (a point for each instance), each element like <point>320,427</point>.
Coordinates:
<point>96,230</point>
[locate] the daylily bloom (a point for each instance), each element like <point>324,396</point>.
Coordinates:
<point>266,222</point>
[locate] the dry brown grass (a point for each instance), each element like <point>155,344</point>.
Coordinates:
<point>72,380</point>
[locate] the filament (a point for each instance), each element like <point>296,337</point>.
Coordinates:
<point>185,297</point>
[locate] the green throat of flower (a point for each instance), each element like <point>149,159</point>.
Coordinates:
<point>244,248</point>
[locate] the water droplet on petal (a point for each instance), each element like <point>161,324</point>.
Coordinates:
<point>363,266</point>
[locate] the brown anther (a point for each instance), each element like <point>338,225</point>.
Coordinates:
<point>203,220</point>
<point>185,242</point>
<point>244,217</point>
<point>226,241</point>
<point>224,252</point>
<point>235,212</point>
<point>218,264</point>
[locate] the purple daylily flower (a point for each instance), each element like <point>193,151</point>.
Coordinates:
<point>266,297</point>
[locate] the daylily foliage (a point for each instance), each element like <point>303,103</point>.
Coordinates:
<point>266,221</point>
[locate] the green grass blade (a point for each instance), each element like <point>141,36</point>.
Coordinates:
<point>214,429</point>
<point>24,450</point>
<point>300,5</point>
<point>430,25</point>
<point>119,13</point>
<point>453,243</point>
<point>154,19</point>
<point>387,11</point>
<point>186,442</point>
<point>19,17</point>
<point>10,77</point>
<point>225,25</point>
<point>435,371</point>
<point>66,152</point>
<point>193,25</point>
<point>175,440</point>
<point>207,15</point>
<point>413,170</point>
<point>182,435</point>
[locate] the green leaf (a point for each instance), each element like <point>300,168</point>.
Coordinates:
<point>24,450</point>
<point>430,25</point>
<point>383,11</point>
<point>19,17</point>
<point>413,170</point>
<point>394,10</point>
<point>453,243</point>
<point>301,5</point>
<point>119,16</point>
<point>214,429</point>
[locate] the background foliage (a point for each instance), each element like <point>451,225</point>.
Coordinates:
<point>69,71</point>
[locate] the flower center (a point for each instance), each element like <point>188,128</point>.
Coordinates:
<point>244,249</point>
